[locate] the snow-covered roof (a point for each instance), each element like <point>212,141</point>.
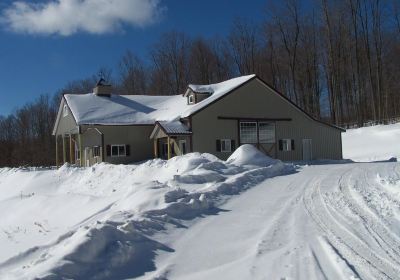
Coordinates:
<point>174,127</point>
<point>216,90</point>
<point>124,109</point>
<point>91,109</point>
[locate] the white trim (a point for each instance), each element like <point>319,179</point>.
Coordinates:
<point>118,145</point>
<point>295,107</point>
<point>58,116</point>
<point>240,131</point>
<point>191,99</point>
<point>65,111</point>
<point>229,141</point>
<point>288,146</point>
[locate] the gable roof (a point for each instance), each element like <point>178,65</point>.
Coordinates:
<point>90,109</point>
<point>174,127</point>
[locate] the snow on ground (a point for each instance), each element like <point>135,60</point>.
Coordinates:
<point>325,222</point>
<point>98,223</point>
<point>372,143</point>
<point>197,217</point>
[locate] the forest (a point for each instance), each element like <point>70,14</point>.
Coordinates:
<point>339,60</point>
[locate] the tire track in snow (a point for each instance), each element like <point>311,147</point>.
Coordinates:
<point>375,227</point>
<point>364,261</point>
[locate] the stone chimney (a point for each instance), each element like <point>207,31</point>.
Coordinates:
<point>102,88</point>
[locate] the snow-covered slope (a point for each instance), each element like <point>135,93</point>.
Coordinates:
<point>372,143</point>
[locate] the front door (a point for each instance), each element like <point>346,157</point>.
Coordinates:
<point>307,149</point>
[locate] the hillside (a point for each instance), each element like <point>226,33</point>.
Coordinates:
<point>197,217</point>
<point>372,143</point>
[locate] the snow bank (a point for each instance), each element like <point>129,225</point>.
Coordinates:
<point>248,155</point>
<point>100,222</point>
<point>374,143</point>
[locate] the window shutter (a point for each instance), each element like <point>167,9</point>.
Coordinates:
<point>108,150</point>
<point>280,145</point>
<point>233,145</point>
<point>128,150</point>
<point>218,145</point>
<point>292,144</point>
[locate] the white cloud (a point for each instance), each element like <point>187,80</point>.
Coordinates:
<point>66,17</point>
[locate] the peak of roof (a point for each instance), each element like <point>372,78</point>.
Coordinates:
<point>211,88</point>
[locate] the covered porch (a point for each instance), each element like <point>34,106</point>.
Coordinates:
<point>171,139</point>
<point>80,148</point>
<point>68,149</point>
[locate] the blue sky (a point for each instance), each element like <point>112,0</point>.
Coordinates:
<point>36,59</point>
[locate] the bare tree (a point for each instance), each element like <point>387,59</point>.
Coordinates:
<point>133,75</point>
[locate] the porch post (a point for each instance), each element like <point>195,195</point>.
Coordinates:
<point>71,154</point>
<point>56,150</point>
<point>169,148</point>
<point>80,150</point>
<point>155,148</point>
<point>64,150</point>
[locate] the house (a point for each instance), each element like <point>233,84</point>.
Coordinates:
<point>217,118</point>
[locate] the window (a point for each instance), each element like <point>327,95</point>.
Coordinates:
<point>248,132</point>
<point>65,110</point>
<point>225,145</point>
<point>191,99</point>
<point>96,151</point>
<point>118,151</point>
<point>266,132</point>
<point>286,145</point>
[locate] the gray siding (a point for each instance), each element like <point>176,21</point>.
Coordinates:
<point>66,124</point>
<point>256,100</point>
<point>137,137</point>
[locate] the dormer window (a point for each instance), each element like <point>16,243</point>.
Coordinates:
<point>191,99</point>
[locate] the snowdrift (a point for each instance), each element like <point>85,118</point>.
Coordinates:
<point>100,222</point>
<point>374,143</point>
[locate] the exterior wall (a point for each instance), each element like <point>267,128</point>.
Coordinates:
<point>66,124</point>
<point>137,137</point>
<point>256,100</point>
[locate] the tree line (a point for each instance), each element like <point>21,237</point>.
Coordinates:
<point>339,60</point>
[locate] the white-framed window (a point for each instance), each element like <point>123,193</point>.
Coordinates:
<point>226,146</point>
<point>96,151</point>
<point>248,132</point>
<point>191,99</point>
<point>118,150</point>
<point>287,145</point>
<point>266,132</point>
<point>182,146</point>
<point>65,110</point>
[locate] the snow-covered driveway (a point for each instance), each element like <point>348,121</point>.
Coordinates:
<point>324,222</point>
